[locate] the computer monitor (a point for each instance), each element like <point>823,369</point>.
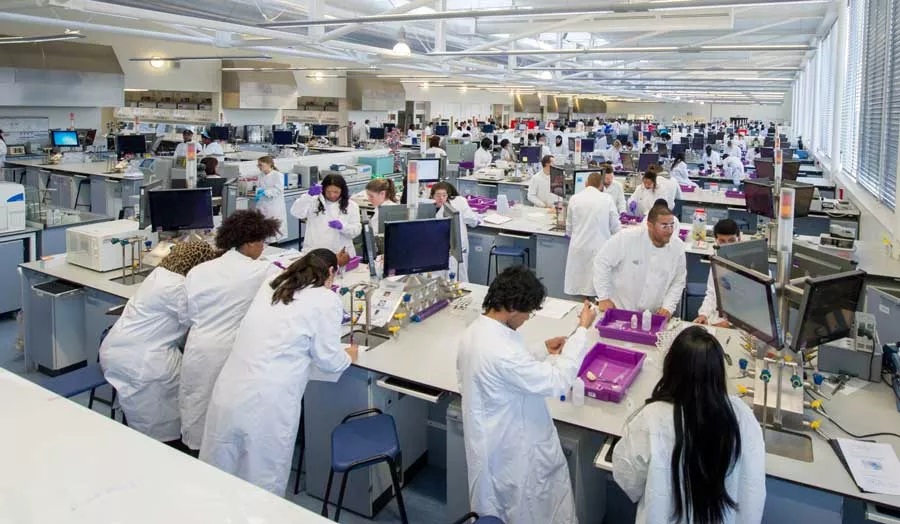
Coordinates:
<point>425,169</point>
<point>697,143</point>
<point>558,181</point>
<point>370,248</point>
<point>747,299</point>
<point>803,196</point>
<point>769,142</point>
<point>530,154</point>
<point>759,198</point>
<point>710,138</point>
<point>220,132</point>
<point>572,140</point>
<point>646,160</point>
<point>662,149</point>
<point>416,246</point>
<point>678,149</point>
<point>282,138</point>
<point>765,169</point>
<point>376,133</point>
<point>181,209</point>
<point>441,130</point>
<point>580,179</point>
<point>807,261</point>
<point>65,138</point>
<point>487,128</point>
<point>622,139</point>
<point>828,309</point>
<point>790,170</point>
<point>131,145</point>
<point>752,254</point>
<point>627,162</point>
<point>319,130</point>
<point>767,152</point>
<point>456,231</point>
<point>587,145</point>
<point>144,213</point>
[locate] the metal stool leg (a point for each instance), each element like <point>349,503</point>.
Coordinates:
<point>340,500</point>
<point>327,493</point>
<point>302,434</point>
<point>91,398</point>
<point>396,481</point>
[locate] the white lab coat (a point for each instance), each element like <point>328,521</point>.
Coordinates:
<point>483,158</point>
<point>373,222</point>
<point>636,275</point>
<point>680,175</point>
<point>457,133</point>
<point>591,220</point>
<point>140,356</point>
<point>181,149</point>
<point>561,150</point>
<point>318,233</point>
<point>617,192</point>
<point>507,154</point>
<point>645,198</point>
<point>750,156</point>
<point>214,149</point>
<point>539,194</point>
<point>733,169</point>
<point>613,156</point>
<point>412,133</point>
<point>254,413</point>
<point>734,151</point>
<point>642,465</point>
<point>271,203</point>
<point>436,151</point>
<point>516,467</point>
<point>713,158</point>
<point>469,218</point>
<point>218,294</point>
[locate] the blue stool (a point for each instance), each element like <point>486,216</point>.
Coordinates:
<point>478,520</point>
<point>506,251</point>
<point>362,443</point>
<point>73,383</point>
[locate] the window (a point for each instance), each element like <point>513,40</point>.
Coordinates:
<point>851,100</point>
<point>826,72</point>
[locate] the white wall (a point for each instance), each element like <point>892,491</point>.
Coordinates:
<point>190,76</point>
<point>665,111</point>
<point>376,118</point>
<point>248,117</point>
<point>328,87</point>
<point>85,117</point>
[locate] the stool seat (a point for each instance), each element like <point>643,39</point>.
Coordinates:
<point>75,382</point>
<point>488,520</point>
<point>362,439</point>
<point>695,289</point>
<point>508,251</point>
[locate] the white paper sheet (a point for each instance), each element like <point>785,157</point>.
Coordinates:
<point>874,466</point>
<point>555,308</point>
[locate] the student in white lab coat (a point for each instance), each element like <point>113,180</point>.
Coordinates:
<point>380,192</point>
<point>732,149</point>
<point>218,294</point>
<point>652,187</point>
<point>642,267</point>
<point>212,148</point>
<point>711,158</point>
<point>270,194</point>
<point>591,220</point>
<point>560,147</point>
<point>718,450</point>
<point>507,153</point>
<point>752,154</point>
<point>545,149</point>
<point>412,133</point>
<point>332,218</point>
<point>516,466</point>
<point>614,154</point>
<point>445,194</point>
<point>434,147</point>
<point>733,169</point>
<point>614,188</point>
<point>181,149</point>
<point>726,231</point>
<point>539,194</point>
<point>292,327</point>
<point>679,172</point>
<point>457,133</point>
<point>483,156</point>
<point>141,355</point>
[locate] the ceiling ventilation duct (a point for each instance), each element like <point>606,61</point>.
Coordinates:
<point>375,94</point>
<point>258,89</point>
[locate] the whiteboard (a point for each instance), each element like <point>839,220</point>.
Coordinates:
<point>25,129</point>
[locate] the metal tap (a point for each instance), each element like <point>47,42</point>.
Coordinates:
<point>362,290</point>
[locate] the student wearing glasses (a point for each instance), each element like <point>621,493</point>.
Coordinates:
<point>642,267</point>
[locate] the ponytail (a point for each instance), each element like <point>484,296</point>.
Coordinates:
<point>383,184</point>
<point>311,270</point>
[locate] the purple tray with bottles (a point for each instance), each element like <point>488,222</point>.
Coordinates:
<point>353,263</point>
<point>616,323</point>
<point>683,234</point>
<point>613,370</point>
<point>688,188</point>
<point>629,219</point>
<point>731,193</point>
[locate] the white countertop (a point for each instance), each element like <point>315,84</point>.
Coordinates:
<point>57,267</point>
<point>84,169</point>
<point>66,464</point>
<point>705,196</point>
<point>487,179</point>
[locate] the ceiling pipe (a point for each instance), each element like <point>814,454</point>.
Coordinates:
<point>623,50</point>
<point>88,26</point>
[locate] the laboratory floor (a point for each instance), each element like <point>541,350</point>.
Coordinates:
<point>424,495</point>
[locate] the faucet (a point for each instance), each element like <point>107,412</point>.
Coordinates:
<point>362,290</point>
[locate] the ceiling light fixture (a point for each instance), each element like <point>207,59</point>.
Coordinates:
<point>156,63</point>
<point>401,48</point>
<point>546,75</point>
<point>134,90</point>
<point>68,35</point>
<point>283,69</point>
<point>199,58</point>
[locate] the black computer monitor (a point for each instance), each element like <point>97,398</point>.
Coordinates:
<point>376,133</point>
<point>416,246</point>
<point>487,128</point>
<point>131,145</point>
<point>320,130</point>
<point>765,169</point>
<point>65,138</point>
<point>759,198</point>
<point>803,196</point>
<point>710,138</point>
<point>677,149</point>
<point>769,142</point>
<point>181,209</point>
<point>767,152</point>
<point>425,169</point>
<point>751,254</point>
<point>828,309</point>
<point>282,138</point>
<point>622,139</point>
<point>587,145</point>
<point>558,181</point>
<point>790,170</point>
<point>530,154</point>
<point>697,143</point>
<point>807,261</point>
<point>646,160</point>
<point>441,130</point>
<point>747,299</point>
<point>220,132</point>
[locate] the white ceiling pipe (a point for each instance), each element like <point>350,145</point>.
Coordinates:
<point>88,26</point>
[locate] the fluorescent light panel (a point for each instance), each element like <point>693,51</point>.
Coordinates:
<point>198,58</point>
<point>39,39</point>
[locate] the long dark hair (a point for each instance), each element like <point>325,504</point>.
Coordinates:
<point>336,180</point>
<point>707,435</point>
<point>679,158</point>
<point>310,270</point>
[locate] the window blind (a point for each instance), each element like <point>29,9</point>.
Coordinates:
<point>874,95</point>
<point>850,105</point>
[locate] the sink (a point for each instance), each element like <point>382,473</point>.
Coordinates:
<point>377,337</point>
<point>131,280</point>
<point>789,444</point>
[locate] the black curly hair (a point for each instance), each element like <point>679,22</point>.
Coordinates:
<point>517,288</point>
<point>337,181</point>
<point>245,226</point>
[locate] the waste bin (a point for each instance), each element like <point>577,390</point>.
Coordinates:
<point>58,344</point>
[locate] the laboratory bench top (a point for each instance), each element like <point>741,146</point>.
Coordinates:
<point>71,217</point>
<point>29,230</point>
<point>99,470</point>
<point>484,178</point>
<point>705,196</point>
<point>83,169</point>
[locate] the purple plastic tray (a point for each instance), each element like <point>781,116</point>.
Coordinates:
<point>616,323</point>
<point>353,263</point>
<point>626,218</point>
<point>688,189</point>
<point>734,194</point>
<point>682,234</point>
<point>614,369</point>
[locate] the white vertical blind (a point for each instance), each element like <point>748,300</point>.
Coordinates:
<point>850,105</point>
<point>825,56</point>
<point>888,187</point>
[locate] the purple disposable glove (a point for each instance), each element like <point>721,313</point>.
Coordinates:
<point>632,206</point>
<point>315,190</point>
<point>336,224</point>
